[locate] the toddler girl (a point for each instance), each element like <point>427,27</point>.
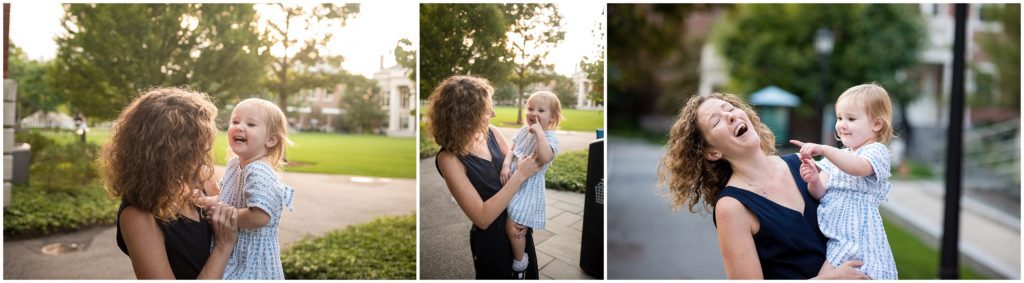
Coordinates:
<point>852,182</point>
<point>257,136</point>
<point>543,111</point>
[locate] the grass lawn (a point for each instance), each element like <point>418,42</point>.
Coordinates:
<point>365,155</point>
<point>384,248</point>
<point>575,120</point>
<point>915,259</point>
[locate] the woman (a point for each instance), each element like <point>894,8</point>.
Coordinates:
<point>720,153</point>
<point>157,162</point>
<point>470,161</point>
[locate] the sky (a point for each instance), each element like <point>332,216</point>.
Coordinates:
<point>362,41</point>
<point>579,19</point>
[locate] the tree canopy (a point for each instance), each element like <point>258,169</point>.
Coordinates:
<point>462,39</point>
<point>112,52</point>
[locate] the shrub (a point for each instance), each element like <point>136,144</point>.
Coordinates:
<point>63,193</point>
<point>428,147</point>
<point>568,172</point>
<point>384,248</point>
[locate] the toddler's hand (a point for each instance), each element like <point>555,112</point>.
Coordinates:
<point>537,129</point>
<point>809,149</point>
<point>505,173</point>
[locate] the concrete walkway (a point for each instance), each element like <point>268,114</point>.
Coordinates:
<point>322,203</point>
<point>647,240</point>
<point>444,228</point>
<point>989,238</point>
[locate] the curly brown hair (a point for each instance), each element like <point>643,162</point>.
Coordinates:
<point>686,176</point>
<point>459,109</point>
<point>159,150</point>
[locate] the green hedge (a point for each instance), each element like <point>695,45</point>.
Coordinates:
<point>64,193</point>
<point>569,172</point>
<point>428,147</point>
<point>384,248</point>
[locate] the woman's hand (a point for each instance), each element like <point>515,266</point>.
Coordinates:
<point>224,220</point>
<point>528,166</point>
<point>847,271</point>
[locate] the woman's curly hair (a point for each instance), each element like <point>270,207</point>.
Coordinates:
<point>459,109</point>
<point>159,150</point>
<point>686,176</point>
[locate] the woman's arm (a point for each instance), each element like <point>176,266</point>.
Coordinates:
<point>145,244</point>
<point>502,143</point>
<point>736,228</point>
<point>480,212</point>
<point>225,233</point>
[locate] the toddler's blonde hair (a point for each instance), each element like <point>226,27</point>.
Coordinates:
<point>553,103</point>
<point>277,126</point>
<point>876,103</point>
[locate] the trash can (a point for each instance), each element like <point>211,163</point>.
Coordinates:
<point>22,158</point>
<point>592,240</point>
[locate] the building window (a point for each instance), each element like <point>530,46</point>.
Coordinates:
<point>385,99</point>
<point>403,92</point>
<point>404,124</point>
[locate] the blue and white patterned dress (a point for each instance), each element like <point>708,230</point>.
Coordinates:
<point>848,214</point>
<point>527,205</point>
<point>257,254</point>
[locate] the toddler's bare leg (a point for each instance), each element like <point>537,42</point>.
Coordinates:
<point>518,244</point>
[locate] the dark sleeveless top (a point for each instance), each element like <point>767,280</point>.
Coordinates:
<point>187,243</point>
<point>491,248</point>
<point>789,245</point>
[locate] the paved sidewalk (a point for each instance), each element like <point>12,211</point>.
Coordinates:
<point>322,203</point>
<point>646,239</point>
<point>444,228</point>
<point>989,239</point>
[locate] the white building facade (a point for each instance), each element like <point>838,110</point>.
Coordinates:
<point>398,99</point>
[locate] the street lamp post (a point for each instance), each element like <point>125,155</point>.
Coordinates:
<point>823,43</point>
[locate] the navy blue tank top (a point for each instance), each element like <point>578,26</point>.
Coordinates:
<point>789,245</point>
<point>187,243</point>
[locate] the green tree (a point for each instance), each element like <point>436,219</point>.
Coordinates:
<point>111,52</point>
<point>594,68</point>
<point>462,39</point>
<point>504,93</point>
<point>535,31</point>
<point>774,45</point>
<point>293,69</point>
<point>564,88</point>
<point>405,55</point>
<point>1004,49</point>
<point>361,103</point>
<point>34,92</point>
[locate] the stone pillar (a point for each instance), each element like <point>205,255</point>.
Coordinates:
<point>10,93</point>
